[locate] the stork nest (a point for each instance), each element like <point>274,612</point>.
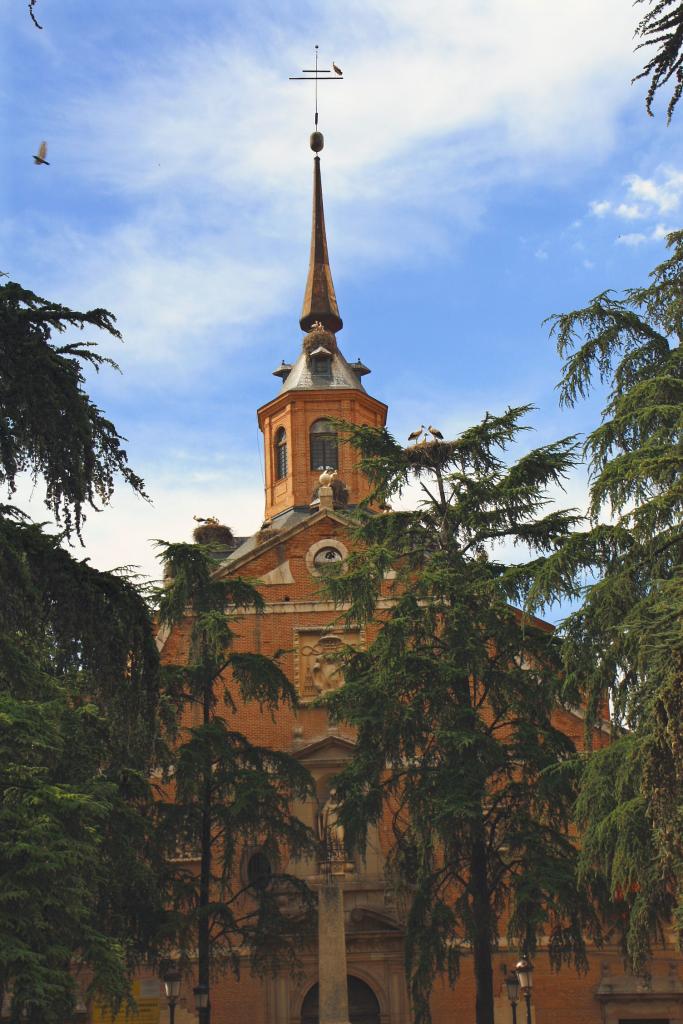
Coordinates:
<point>267,532</point>
<point>214,533</point>
<point>427,454</point>
<point>319,335</point>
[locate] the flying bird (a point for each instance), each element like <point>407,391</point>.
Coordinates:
<point>337,71</point>
<point>435,433</point>
<point>39,158</point>
<point>416,434</point>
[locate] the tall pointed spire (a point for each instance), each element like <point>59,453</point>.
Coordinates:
<point>320,302</point>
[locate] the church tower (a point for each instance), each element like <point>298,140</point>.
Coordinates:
<point>299,436</point>
<point>305,530</point>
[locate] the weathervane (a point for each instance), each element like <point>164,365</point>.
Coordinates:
<point>316,74</point>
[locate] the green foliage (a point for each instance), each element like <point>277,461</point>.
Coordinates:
<point>619,858</point>
<point>452,702</point>
<point>48,425</point>
<point>79,885</point>
<point>625,641</point>
<point>228,795</point>
<point>662,27</point>
<point>77,728</point>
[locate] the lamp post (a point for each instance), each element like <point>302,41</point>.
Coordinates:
<point>512,985</point>
<point>171,980</point>
<point>201,1002</point>
<point>524,971</point>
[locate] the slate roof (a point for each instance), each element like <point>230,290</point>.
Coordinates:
<point>292,517</point>
<point>302,378</point>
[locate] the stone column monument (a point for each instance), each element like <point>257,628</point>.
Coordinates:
<point>332,986</point>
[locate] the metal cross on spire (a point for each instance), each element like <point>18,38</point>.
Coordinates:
<point>317,74</point>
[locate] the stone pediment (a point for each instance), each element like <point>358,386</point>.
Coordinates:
<point>257,545</point>
<point>372,919</point>
<point>331,752</point>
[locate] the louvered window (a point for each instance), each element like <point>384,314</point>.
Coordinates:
<point>324,446</point>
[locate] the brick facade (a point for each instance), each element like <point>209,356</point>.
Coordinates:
<point>296,413</point>
<point>295,618</point>
<point>301,623</point>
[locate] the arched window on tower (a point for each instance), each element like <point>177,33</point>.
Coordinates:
<point>323,446</point>
<point>281,453</point>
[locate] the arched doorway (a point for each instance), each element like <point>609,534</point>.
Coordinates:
<point>363,1005</point>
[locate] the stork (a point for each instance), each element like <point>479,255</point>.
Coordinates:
<point>435,433</point>
<point>39,157</point>
<point>417,434</point>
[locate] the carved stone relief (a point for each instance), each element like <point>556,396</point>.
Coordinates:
<point>318,651</point>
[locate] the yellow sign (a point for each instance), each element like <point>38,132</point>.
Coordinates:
<point>147,997</point>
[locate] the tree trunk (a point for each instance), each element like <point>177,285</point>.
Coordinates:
<point>203,945</point>
<point>481,934</point>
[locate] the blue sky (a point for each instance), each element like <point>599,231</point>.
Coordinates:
<point>487,163</point>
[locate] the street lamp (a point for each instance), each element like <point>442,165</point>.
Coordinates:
<point>201,1001</point>
<point>524,971</point>
<point>512,985</point>
<point>171,980</point>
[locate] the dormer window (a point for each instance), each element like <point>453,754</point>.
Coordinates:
<point>321,366</point>
<point>281,454</point>
<point>321,363</point>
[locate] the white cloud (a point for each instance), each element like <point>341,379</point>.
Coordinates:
<point>123,533</point>
<point>663,194</point>
<point>183,297</point>
<point>638,238</point>
<point>541,254</point>
<point>213,114</point>
<point>632,239</point>
<point>201,148</point>
<point>629,211</point>
<point>194,173</point>
<point>661,232</point>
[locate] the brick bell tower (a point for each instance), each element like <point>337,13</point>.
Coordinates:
<point>321,386</point>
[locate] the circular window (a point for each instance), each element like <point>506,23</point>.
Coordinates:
<point>326,556</point>
<point>324,553</point>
